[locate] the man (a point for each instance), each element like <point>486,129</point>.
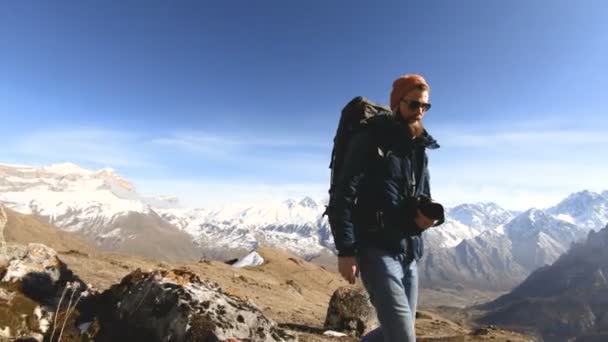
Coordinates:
<point>377,225</point>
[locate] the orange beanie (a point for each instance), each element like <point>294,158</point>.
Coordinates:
<point>404,85</point>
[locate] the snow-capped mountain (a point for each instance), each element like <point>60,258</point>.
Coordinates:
<point>480,216</point>
<point>466,221</point>
<point>299,226</point>
<point>533,221</point>
<point>499,258</point>
<point>539,238</point>
<point>99,205</point>
<point>585,209</point>
<point>68,195</point>
<point>484,262</point>
<point>294,225</point>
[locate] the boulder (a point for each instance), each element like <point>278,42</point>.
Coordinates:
<point>33,285</point>
<point>351,312</point>
<point>178,306</point>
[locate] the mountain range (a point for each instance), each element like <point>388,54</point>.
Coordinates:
<point>480,245</point>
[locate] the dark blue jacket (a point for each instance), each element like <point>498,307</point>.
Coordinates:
<point>384,169</point>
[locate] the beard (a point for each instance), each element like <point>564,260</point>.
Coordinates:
<point>416,128</point>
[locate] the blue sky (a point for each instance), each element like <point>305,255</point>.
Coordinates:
<point>235,101</point>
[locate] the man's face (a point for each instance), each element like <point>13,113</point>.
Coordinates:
<point>413,105</point>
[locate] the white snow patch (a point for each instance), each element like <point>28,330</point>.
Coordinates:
<point>452,233</point>
<point>500,229</point>
<point>113,233</point>
<point>66,169</point>
<point>251,259</point>
<point>566,217</point>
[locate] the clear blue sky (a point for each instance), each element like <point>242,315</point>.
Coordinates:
<point>217,101</point>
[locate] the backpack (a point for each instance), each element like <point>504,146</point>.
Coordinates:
<point>354,117</point>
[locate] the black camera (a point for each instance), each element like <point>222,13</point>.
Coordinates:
<point>430,209</point>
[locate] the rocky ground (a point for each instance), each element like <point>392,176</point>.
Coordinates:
<point>290,293</point>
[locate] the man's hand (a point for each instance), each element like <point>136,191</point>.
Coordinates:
<point>422,221</point>
<point>347,266</point>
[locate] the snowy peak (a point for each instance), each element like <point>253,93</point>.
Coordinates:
<point>532,217</point>
<point>480,216</point>
<point>66,169</point>
<point>530,221</point>
<point>70,196</point>
<point>485,241</point>
<point>64,177</point>
<point>578,203</point>
<point>527,223</point>
<point>586,209</point>
<point>294,225</point>
<point>308,202</point>
<point>546,230</point>
<point>305,202</point>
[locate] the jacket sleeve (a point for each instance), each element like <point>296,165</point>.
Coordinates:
<point>345,194</point>
<point>426,185</point>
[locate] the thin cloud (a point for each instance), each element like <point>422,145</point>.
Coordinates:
<point>89,145</point>
<point>205,141</point>
<point>94,147</point>
<point>290,157</point>
<point>213,193</point>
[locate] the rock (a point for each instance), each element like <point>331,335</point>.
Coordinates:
<point>21,318</point>
<point>350,311</point>
<point>33,283</point>
<point>3,251</point>
<point>332,333</point>
<point>32,259</point>
<point>178,306</point>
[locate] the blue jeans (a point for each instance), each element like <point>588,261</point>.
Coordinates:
<point>392,283</point>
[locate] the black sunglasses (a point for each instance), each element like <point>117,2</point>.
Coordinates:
<point>414,105</point>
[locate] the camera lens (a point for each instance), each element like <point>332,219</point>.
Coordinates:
<point>432,210</point>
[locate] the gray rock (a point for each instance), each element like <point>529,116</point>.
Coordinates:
<point>178,306</point>
<point>350,311</point>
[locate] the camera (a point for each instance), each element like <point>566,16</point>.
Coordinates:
<point>430,209</point>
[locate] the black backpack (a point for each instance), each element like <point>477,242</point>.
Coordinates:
<point>355,116</point>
